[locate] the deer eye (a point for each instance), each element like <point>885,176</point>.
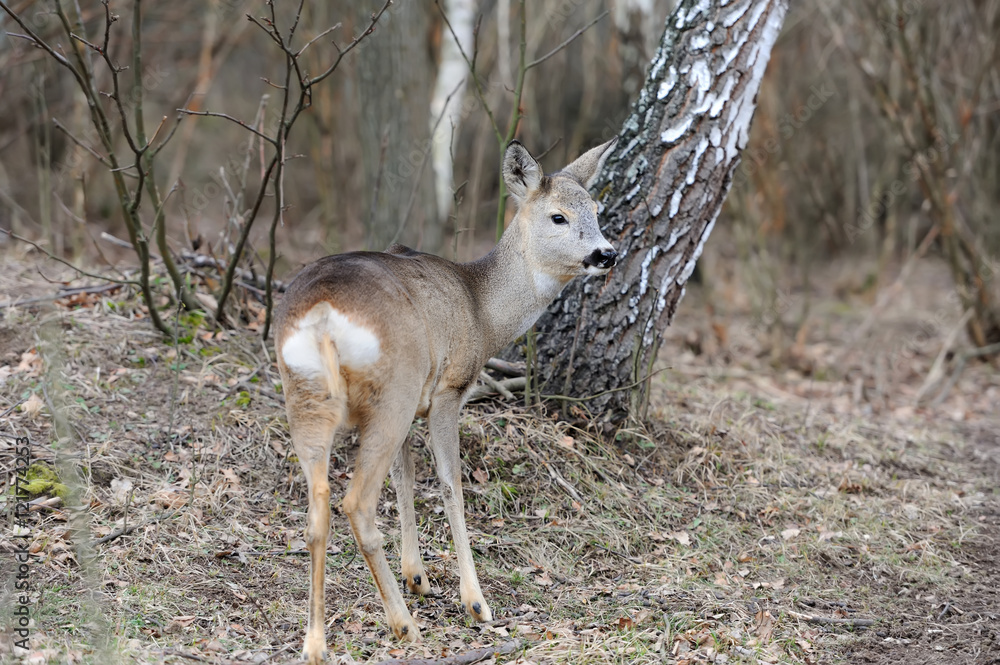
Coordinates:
<point>559,219</point>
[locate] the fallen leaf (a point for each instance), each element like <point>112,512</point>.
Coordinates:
<point>32,405</point>
<point>681,537</point>
<point>790,533</point>
<point>765,625</point>
<point>543,580</point>
<point>566,442</point>
<point>624,623</point>
<point>480,476</point>
<point>120,488</point>
<point>170,499</point>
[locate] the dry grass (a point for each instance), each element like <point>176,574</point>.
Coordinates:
<point>753,498</point>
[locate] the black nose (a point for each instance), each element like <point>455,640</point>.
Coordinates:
<point>601,258</point>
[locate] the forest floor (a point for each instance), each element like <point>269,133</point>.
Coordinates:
<point>781,503</point>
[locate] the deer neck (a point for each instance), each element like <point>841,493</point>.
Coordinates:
<point>512,292</point>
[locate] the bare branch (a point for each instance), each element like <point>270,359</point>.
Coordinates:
<point>66,263</point>
<point>350,47</point>
<point>99,157</point>
<point>317,38</point>
<point>535,63</point>
<point>214,114</point>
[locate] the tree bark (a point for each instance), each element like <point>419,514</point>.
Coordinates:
<point>660,194</point>
<point>447,101</point>
<point>395,74</point>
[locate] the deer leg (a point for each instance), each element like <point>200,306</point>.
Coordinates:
<point>380,442</point>
<point>402,482</point>
<point>312,437</point>
<point>443,421</point>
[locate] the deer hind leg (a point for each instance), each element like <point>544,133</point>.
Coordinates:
<point>402,481</point>
<point>443,421</point>
<point>312,429</point>
<point>380,441</point>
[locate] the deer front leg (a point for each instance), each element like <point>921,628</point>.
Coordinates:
<point>443,421</point>
<point>402,482</point>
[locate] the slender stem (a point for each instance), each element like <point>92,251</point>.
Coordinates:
<point>145,163</point>
<point>534,63</point>
<point>471,64</point>
<point>515,118</point>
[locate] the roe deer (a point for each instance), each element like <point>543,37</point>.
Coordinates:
<point>373,339</point>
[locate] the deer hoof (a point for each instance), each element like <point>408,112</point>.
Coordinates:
<point>314,651</point>
<point>479,610</point>
<point>418,584</point>
<point>407,632</point>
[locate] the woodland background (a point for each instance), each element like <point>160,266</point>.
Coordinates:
<point>815,478</point>
<point>826,175</point>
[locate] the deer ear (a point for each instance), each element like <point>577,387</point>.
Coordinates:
<point>588,165</point>
<point>521,173</point>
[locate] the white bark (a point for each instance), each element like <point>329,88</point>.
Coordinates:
<point>662,190</point>
<point>449,92</point>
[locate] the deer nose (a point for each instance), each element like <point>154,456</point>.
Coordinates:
<point>602,258</point>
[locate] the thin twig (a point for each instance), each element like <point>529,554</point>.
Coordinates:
<point>226,116</point>
<point>831,621</point>
<point>66,293</point>
<point>535,63</point>
<point>467,658</point>
<point>114,535</point>
<point>98,156</point>
<point>63,261</point>
<point>554,474</point>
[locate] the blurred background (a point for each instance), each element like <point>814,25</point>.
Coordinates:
<point>861,142</point>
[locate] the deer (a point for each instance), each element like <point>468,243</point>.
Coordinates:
<point>374,339</point>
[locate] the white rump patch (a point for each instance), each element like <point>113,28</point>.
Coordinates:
<point>357,346</point>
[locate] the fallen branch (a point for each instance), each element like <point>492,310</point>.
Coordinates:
<point>963,358</point>
<point>202,261</point>
<point>504,367</point>
<point>235,554</point>
<point>63,293</point>
<point>474,656</point>
<point>215,660</point>
<point>937,371</point>
<point>496,385</point>
<point>831,621</point>
<point>511,385</point>
<point>555,475</point>
<point>827,604</point>
<point>114,535</point>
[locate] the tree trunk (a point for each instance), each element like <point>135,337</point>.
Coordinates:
<point>660,194</point>
<point>447,102</point>
<point>395,73</point>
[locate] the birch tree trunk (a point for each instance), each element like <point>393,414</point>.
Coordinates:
<point>660,194</point>
<point>449,93</point>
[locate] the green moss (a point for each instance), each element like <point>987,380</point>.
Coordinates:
<point>43,480</point>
